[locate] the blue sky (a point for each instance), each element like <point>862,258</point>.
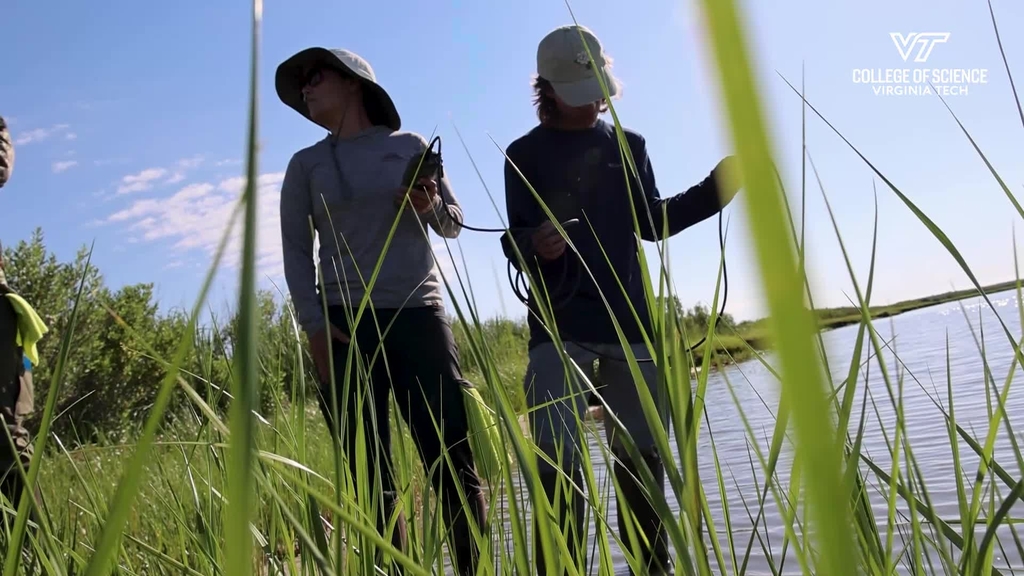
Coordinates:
<point>129,119</point>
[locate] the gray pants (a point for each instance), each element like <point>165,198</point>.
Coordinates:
<point>558,403</point>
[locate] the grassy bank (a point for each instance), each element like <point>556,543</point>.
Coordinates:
<point>739,342</point>
<point>164,447</point>
<point>838,317</point>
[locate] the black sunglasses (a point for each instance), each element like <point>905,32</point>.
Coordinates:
<point>315,75</point>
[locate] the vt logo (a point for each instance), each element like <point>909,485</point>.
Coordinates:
<point>927,40</point>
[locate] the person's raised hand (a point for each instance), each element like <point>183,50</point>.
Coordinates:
<point>547,242</point>
<point>422,197</point>
<point>318,348</point>
<point>728,178</point>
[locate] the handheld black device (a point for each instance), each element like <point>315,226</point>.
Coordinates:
<point>426,164</point>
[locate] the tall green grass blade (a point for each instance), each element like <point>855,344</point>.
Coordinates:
<point>127,489</point>
<point>27,503</point>
<point>241,485</point>
<point>1006,64</point>
<point>1002,184</point>
<point>792,324</point>
<point>931,226</point>
<point>868,536</point>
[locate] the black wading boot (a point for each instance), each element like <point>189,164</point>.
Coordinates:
<point>557,488</point>
<point>398,535</point>
<point>644,517</point>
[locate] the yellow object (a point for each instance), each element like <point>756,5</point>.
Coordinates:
<point>30,327</point>
<point>485,438</point>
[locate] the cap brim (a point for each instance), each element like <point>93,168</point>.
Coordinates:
<point>291,77</point>
<point>583,92</point>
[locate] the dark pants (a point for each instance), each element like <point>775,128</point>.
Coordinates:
<point>12,418</point>
<point>15,405</point>
<point>419,363</point>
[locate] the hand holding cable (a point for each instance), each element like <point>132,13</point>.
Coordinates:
<point>548,243</point>
<point>423,197</point>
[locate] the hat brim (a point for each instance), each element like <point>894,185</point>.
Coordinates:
<point>291,77</point>
<point>586,91</point>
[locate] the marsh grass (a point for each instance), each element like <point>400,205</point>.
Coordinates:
<point>265,491</point>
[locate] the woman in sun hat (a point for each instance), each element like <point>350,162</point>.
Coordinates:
<point>349,185</point>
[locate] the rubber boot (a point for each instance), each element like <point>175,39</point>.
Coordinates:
<point>654,552</point>
<point>12,486</point>
<point>398,535</point>
<point>557,489</point>
<point>465,554</point>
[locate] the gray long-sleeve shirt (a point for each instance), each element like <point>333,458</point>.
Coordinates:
<point>353,213</point>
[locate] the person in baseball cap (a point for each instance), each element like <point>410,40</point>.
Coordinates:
<point>574,162</point>
<point>349,184</point>
<point>6,153</point>
<point>565,62</point>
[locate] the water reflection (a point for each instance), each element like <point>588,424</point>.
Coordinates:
<point>916,346</point>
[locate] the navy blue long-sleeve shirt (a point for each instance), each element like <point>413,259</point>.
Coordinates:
<point>580,174</point>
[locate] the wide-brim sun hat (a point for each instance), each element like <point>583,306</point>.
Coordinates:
<point>291,77</point>
<point>562,60</point>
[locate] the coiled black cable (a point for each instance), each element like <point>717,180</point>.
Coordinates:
<point>523,296</point>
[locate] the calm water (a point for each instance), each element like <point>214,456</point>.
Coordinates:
<point>921,340</point>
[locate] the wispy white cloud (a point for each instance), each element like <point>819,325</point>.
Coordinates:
<point>109,161</point>
<point>141,181</point>
<point>147,178</point>
<point>193,162</point>
<point>196,217</point>
<point>31,136</point>
<point>183,166</point>
<point>64,165</point>
<point>39,134</point>
<point>70,136</point>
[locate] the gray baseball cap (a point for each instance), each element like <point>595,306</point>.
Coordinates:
<point>563,61</point>
<point>290,78</point>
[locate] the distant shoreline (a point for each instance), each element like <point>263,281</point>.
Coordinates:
<point>851,315</point>
<point>733,347</point>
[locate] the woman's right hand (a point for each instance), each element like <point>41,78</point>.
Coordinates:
<point>321,355</point>
<point>547,242</point>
